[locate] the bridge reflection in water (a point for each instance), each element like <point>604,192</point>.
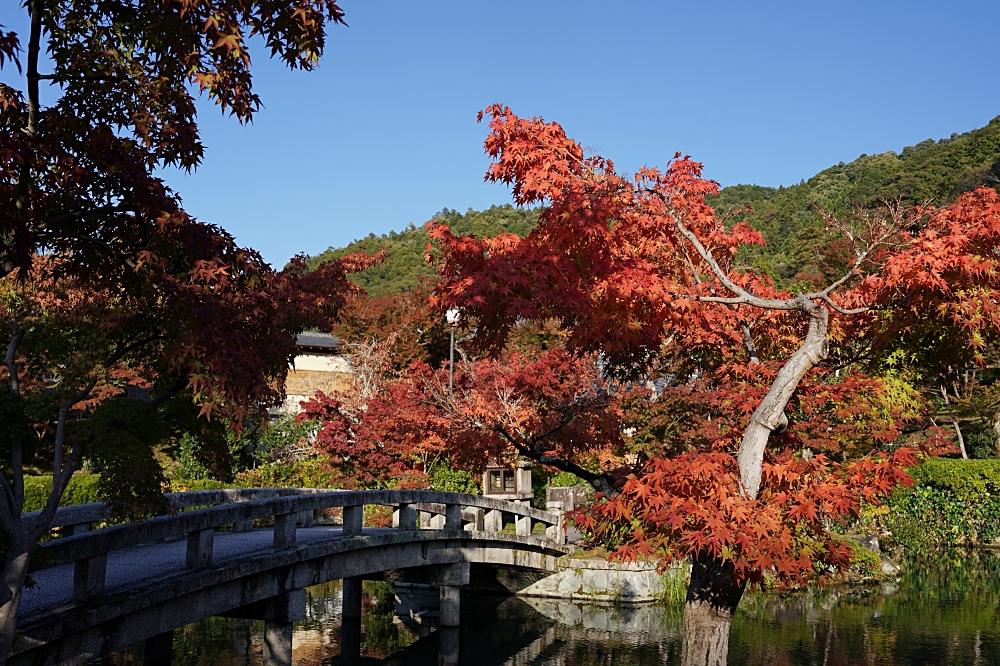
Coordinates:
<point>251,554</point>
<point>495,631</point>
<point>942,611</point>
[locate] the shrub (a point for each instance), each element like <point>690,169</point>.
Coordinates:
<point>965,479</point>
<point>446,479</point>
<point>929,516</point>
<point>82,489</point>
<point>564,480</point>
<point>191,469</point>
<point>865,563</point>
<point>952,502</point>
<point>185,485</point>
<point>309,473</point>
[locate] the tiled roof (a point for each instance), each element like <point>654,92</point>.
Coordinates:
<point>313,340</point>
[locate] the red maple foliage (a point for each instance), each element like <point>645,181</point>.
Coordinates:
<point>694,504</point>
<point>78,185</point>
<point>417,331</point>
<point>552,407</point>
<point>644,272</point>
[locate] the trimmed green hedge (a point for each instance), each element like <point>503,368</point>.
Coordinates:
<point>965,479</point>
<point>185,485</point>
<point>82,489</point>
<point>952,502</point>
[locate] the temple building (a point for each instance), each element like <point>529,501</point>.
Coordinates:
<point>318,366</point>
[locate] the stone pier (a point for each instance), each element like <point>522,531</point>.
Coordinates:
<point>448,646</point>
<point>278,614</point>
<point>350,624</point>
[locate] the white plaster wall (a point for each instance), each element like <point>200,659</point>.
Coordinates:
<point>292,404</point>
<point>322,363</point>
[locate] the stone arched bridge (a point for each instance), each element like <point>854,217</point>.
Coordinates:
<point>101,590</point>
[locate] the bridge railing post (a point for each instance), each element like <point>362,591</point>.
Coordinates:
<point>200,544</point>
<point>452,517</point>
<point>555,532</point>
<point>354,519</point>
<point>243,525</point>
<point>405,517</point>
<point>522,525</point>
<point>284,529</point>
<point>78,528</point>
<point>476,521</point>
<point>494,521</point>
<point>89,575</point>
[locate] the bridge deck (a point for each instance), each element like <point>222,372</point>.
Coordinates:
<point>132,567</point>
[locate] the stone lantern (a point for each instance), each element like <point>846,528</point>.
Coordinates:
<point>508,484</point>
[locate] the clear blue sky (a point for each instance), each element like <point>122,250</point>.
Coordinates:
<point>384,132</point>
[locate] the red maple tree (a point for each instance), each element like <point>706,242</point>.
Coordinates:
<point>141,283</point>
<point>635,268</point>
<point>551,406</point>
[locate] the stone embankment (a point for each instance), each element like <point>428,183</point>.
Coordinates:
<point>598,581</point>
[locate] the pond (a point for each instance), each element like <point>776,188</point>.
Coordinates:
<point>944,610</point>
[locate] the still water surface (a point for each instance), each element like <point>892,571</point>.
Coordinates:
<point>944,610</point>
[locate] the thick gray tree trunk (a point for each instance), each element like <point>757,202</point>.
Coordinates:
<point>770,413</point>
<point>14,571</point>
<point>713,595</point>
<point>712,598</point>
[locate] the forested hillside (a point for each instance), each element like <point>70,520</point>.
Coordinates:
<point>931,171</point>
<point>405,263</point>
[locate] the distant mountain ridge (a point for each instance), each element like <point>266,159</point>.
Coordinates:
<point>935,171</point>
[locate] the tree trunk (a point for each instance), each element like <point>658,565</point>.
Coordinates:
<point>961,439</point>
<point>770,413</point>
<point>712,598</point>
<point>714,594</point>
<point>14,571</point>
<point>954,422</point>
<point>996,434</point>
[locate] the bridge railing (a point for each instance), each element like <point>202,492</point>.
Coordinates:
<point>289,508</point>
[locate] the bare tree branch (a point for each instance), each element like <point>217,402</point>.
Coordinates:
<point>79,215</point>
<point>844,311</point>
<point>600,482</point>
<point>15,342</point>
<point>7,519</point>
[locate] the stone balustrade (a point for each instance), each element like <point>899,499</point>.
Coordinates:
<point>286,508</point>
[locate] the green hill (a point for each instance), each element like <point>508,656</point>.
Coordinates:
<point>935,171</point>
<point>405,265</point>
<point>931,171</point>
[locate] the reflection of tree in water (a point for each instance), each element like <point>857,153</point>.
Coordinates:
<point>946,610</point>
<point>380,636</point>
<point>216,641</point>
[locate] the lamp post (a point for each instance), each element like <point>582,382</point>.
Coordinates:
<point>452,317</point>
